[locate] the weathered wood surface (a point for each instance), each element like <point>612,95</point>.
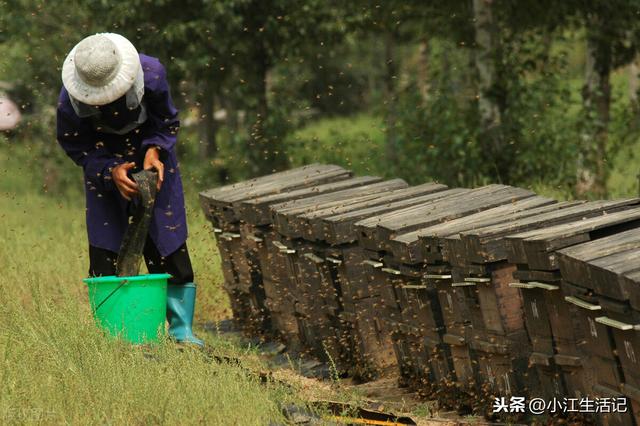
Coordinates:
<point>256,210</point>
<point>595,350</point>
<point>487,244</point>
<point>376,232</point>
<point>218,203</point>
<point>599,264</point>
<point>318,224</point>
<point>338,228</point>
<point>524,274</point>
<point>282,213</point>
<point>537,247</point>
<point>626,342</point>
<point>426,243</point>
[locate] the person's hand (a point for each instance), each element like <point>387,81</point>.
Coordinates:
<point>127,187</point>
<point>152,161</point>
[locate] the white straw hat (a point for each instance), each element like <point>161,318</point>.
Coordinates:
<point>101,68</point>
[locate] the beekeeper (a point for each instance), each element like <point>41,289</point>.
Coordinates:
<point>115,116</point>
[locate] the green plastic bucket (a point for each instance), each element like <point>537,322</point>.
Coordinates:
<point>131,308</point>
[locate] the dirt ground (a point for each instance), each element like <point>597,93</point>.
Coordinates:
<point>313,382</point>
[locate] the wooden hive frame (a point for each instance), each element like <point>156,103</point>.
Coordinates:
<point>598,272</point>
<point>457,288</point>
<point>499,338</point>
<point>407,293</point>
<point>221,206</point>
<point>323,309</point>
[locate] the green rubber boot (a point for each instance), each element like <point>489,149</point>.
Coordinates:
<point>181,302</point>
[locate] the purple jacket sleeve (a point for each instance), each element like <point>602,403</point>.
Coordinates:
<point>80,145</point>
<point>162,113</point>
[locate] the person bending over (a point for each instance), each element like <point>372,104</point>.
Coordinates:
<point>115,116</point>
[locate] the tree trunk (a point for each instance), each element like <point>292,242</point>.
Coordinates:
<point>596,95</point>
<point>423,70</point>
<point>488,106</point>
<point>208,127</point>
<point>390,99</point>
<point>265,151</point>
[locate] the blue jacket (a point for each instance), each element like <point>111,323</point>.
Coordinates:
<point>97,153</point>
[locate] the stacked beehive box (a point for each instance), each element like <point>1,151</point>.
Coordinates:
<point>274,258</point>
<point>320,242</point>
<point>242,275</point>
<point>599,278</point>
<point>415,318</point>
<point>549,314</point>
<point>476,308</point>
<point>499,341</point>
<point>464,289</point>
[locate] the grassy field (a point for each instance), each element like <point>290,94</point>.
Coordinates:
<point>56,367</point>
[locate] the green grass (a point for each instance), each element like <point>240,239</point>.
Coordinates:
<point>56,367</point>
<point>357,143</point>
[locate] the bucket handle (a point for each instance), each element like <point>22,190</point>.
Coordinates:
<point>110,294</point>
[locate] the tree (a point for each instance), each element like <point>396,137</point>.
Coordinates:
<point>612,36</point>
<point>486,49</point>
<point>266,33</point>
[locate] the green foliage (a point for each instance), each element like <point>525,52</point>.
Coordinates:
<point>280,68</point>
<point>437,134</point>
<point>356,142</point>
<point>541,138</point>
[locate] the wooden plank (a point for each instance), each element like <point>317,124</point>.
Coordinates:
<point>537,247</point>
<point>476,201</point>
<point>551,277</point>
<point>449,243</point>
<point>264,185</point>
<point>282,213</point>
<point>487,244</point>
<point>223,191</point>
<point>365,229</point>
<point>631,281</point>
<point>604,273</point>
<point>219,201</point>
<point>256,210</point>
<point>415,246</point>
<point>574,261</point>
<point>377,231</point>
<point>337,227</point>
<point>310,225</point>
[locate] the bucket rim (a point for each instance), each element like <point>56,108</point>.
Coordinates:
<point>110,279</point>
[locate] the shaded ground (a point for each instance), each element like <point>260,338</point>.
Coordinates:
<point>314,383</point>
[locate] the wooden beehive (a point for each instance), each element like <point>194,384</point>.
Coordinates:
<point>242,276</point>
<point>321,289</point>
<point>609,322</point>
<point>468,293</point>
<point>409,293</point>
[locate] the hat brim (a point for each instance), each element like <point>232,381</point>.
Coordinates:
<point>117,87</point>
